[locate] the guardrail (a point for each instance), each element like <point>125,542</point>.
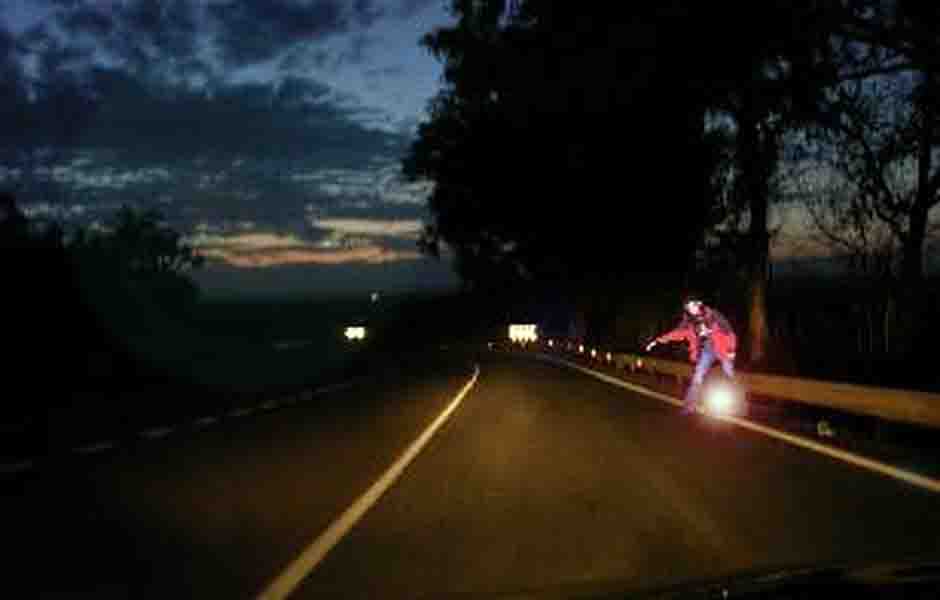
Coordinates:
<point>904,406</point>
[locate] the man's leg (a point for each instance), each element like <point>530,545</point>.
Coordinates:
<point>727,365</point>
<point>705,360</point>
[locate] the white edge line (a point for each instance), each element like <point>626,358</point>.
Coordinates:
<point>17,467</point>
<point>156,432</point>
<point>94,448</point>
<point>204,422</point>
<point>334,387</point>
<point>921,481</point>
<point>313,554</point>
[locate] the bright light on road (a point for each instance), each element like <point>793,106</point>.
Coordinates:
<point>721,399</point>
<point>580,348</point>
<point>593,353</point>
<point>523,333</point>
<point>355,333</point>
<point>610,357</point>
<point>551,343</point>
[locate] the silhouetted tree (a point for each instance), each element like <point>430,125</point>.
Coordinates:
<point>140,253</point>
<point>768,67</point>
<point>38,308</point>
<point>564,148</point>
<point>891,124</point>
<point>883,131</point>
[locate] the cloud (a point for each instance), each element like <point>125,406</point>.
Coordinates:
<point>88,20</point>
<point>298,118</point>
<point>410,8</point>
<point>392,71</point>
<point>276,258</point>
<point>103,178</point>
<point>251,31</point>
<point>404,228</point>
<point>379,182</point>
<point>165,123</point>
<point>154,39</point>
<point>259,250</point>
<point>175,39</point>
<point>163,38</point>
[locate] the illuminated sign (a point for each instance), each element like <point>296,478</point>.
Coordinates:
<point>523,333</point>
<point>355,333</point>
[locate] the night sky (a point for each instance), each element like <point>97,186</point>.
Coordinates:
<point>269,131</point>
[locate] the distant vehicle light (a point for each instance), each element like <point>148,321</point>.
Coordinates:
<point>722,399</point>
<point>523,333</point>
<point>610,357</point>
<point>551,343</point>
<point>580,348</point>
<point>355,333</point>
<point>593,353</point>
<point>639,363</point>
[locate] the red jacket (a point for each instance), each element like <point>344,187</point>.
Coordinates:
<point>724,341</point>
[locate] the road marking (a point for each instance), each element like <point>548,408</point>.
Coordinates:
<point>17,467</point>
<point>916,479</point>
<point>291,344</point>
<point>269,405</point>
<point>334,387</point>
<point>204,422</point>
<point>156,432</point>
<point>241,412</point>
<point>294,574</point>
<point>94,448</point>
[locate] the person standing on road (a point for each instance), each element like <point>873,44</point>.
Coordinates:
<point>710,337</point>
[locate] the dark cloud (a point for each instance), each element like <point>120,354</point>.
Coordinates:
<point>155,38</point>
<point>295,118</point>
<point>305,59</point>
<point>7,44</point>
<point>257,30</point>
<point>169,26</point>
<point>161,38</point>
<point>36,37</point>
<point>393,71</point>
<point>410,8</point>
<point>367,12</point>
<point>12,85</point>
<point>87,20</point>
<point>356,54</point>
<point>295,93</point>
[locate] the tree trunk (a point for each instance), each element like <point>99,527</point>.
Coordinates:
<point>912,268</point>
<point>755,160</point>
<point>757,307</point>
<point>911,302</point>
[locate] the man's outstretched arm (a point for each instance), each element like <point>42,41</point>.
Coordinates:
<point>680,333</point>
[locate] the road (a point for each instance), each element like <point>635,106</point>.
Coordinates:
<point>542,479</point>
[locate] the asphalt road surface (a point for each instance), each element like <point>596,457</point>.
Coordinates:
<point>542,480</point>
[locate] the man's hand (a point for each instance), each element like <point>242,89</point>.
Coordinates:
<point>650,345</point>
